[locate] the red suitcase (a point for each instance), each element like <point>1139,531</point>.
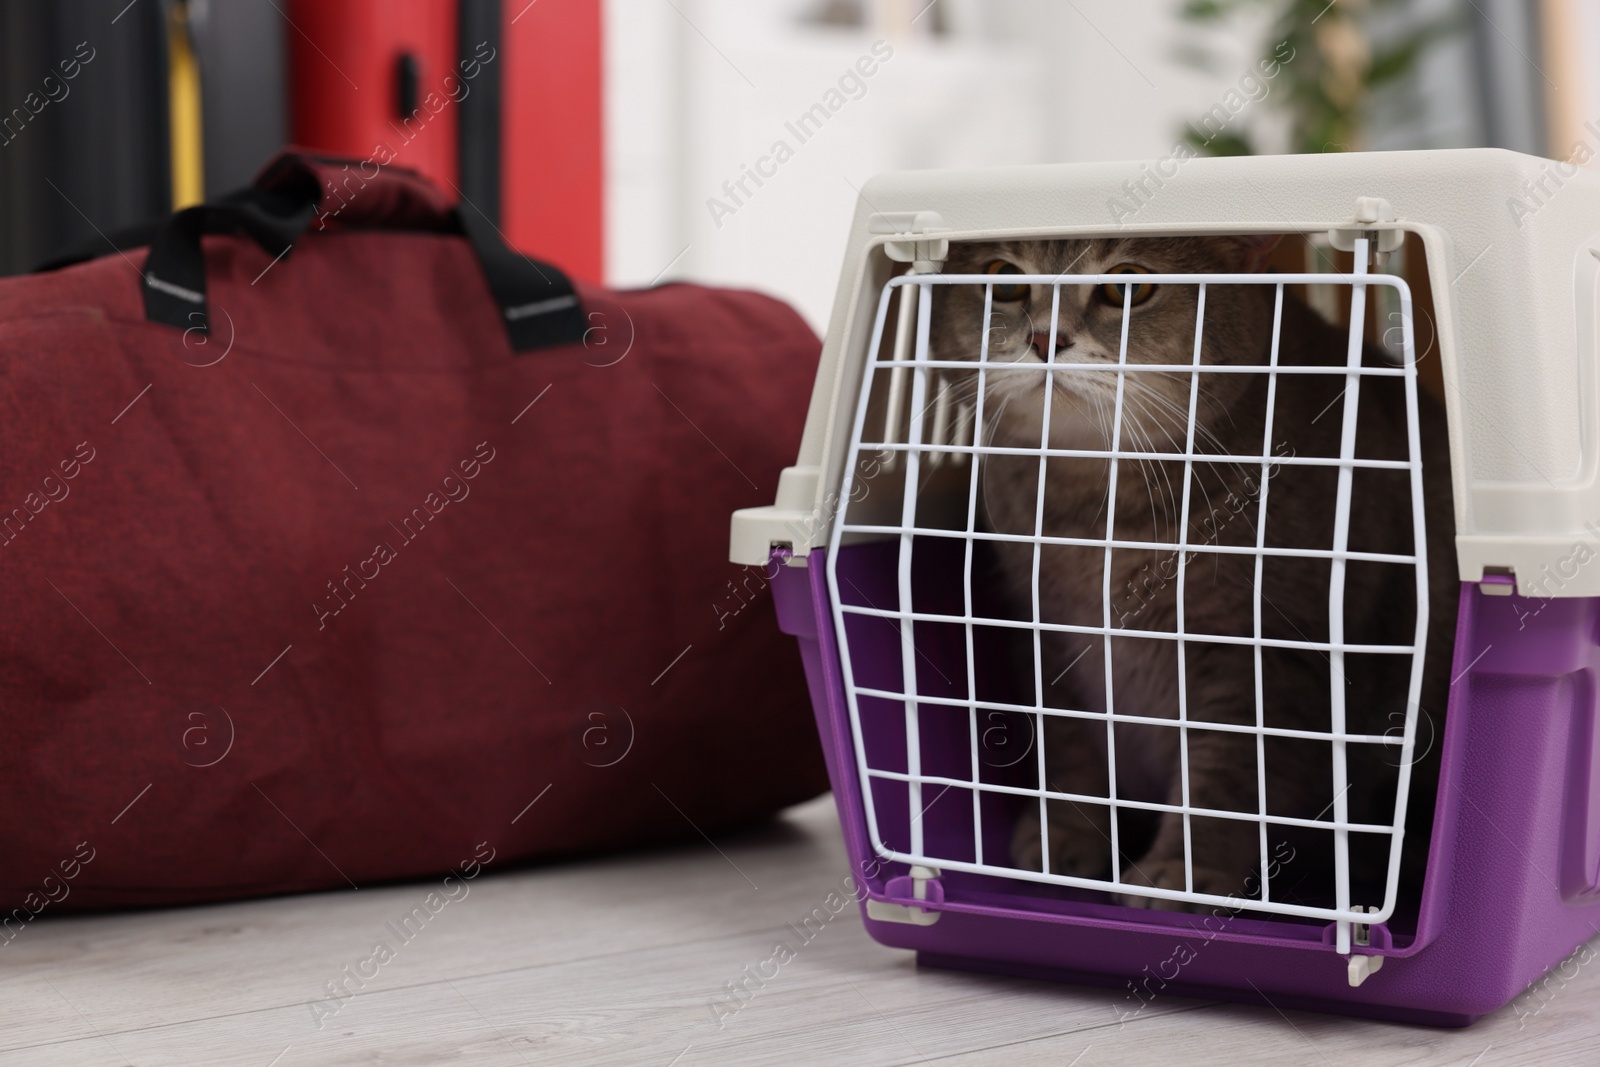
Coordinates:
<point>498,104</point>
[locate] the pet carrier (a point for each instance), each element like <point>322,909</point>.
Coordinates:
<point>1442,887</point>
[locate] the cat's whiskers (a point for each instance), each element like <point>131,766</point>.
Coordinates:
<point>1169,501</point>
<point>1217,470</point>
<point>1143,406</point>
<point>990,430</point>
<point>1143,467</point>
<point>1204,434</point>
<point>1158,485</point>
<point>1144,442</point>
<point>1197,472</point>
<point>1149,416</point>
<point>1139,442</point>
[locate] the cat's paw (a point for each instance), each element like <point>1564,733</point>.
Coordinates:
<point>1080,843</point>
<point>1169,874</point>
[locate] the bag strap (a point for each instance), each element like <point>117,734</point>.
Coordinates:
<point>538,305</point>
<point>174,276</point>
<point>537,302</point>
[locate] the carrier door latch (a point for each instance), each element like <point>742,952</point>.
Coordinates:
<point>1360,967</point>
<point>1498,581</point>
<point>920,879</point>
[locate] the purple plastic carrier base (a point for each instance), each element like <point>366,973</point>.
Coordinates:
<point>1135,1004</point>
<point>1513,882</point>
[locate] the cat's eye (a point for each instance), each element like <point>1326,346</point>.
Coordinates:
<point>1115,293</point>
<point>1006,292</point>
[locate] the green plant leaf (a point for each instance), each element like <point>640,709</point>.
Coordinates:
<point>1315,123</point>
<point>1225,144</point>
<point>1206,10</point>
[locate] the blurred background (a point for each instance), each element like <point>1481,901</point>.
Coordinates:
<point>640,141</point>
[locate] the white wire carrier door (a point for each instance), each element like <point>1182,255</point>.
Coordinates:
<point>938,436</point>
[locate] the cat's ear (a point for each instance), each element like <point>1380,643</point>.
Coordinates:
<point>1255,250</point>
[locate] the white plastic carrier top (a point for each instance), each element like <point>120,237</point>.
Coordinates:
<point>1512,245</point>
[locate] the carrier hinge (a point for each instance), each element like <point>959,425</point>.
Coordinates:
<point>920,879</point>
<point>1373,219</point>
<point>923,253</point>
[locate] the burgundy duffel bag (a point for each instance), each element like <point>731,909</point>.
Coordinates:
<point>343,545</point>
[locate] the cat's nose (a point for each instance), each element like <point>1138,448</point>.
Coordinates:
<point>1041,343</point>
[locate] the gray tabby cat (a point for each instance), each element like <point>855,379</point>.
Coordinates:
<point>1218,589</point>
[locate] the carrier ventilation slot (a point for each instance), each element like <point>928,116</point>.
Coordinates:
<point>949,423</point>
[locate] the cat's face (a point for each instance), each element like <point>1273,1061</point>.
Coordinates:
<point>1161,330</point>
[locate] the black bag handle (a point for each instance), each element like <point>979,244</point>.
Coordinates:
<point>538,304</point>
<point>174,276</point>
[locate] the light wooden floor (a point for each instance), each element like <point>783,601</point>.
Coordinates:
<point>618,961</point>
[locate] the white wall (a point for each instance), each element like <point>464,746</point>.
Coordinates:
<point>1583,20</point>
<point>697,88</point>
